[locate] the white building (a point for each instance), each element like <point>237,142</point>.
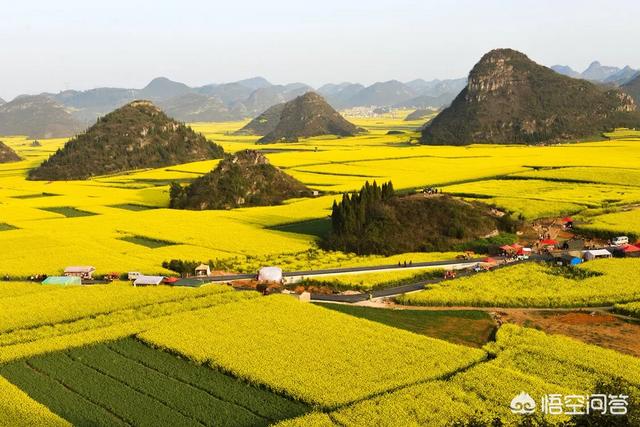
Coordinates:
<point>203,270</point>
<point>592,254</point>
<point>148,280</point>
<point>83,271</point>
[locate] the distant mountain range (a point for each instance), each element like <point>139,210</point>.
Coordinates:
<point>226,101</point>
<point>414,94</point>
<point>37,117</point>
<point>597,72</point>
<point>65,113</point>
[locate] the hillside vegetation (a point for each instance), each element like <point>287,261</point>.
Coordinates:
<point>7,155</point>
<point>135,136</point>
<point>510,99</point>
<point>243,179</point>
<point>633,88</point>
<point>306,116</point>
<point>265,123</point>
<point>377,221</point>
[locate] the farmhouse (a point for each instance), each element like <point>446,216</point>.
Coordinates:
<point>62,280</point>
<point>83,272</point>
<point>203,270</point>
<point>595,254</point>
<point>148,280</point>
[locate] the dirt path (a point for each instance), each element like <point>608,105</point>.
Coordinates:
<point>592,325</point>
<point>595,327</point>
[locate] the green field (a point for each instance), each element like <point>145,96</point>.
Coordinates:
<point>472,328</point>
<point>128,383</point>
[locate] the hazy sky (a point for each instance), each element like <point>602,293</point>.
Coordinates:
<point>54,45</point>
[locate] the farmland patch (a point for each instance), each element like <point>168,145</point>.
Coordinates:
<point>127,382</point>
<point>68,211</point>
<point>147,241</point>
<point>133,207</point>
<point>473,328</point>
<point>34,196</point>
<point>315,355</point>
<point>315,227</point>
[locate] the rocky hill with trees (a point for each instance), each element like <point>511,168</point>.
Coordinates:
<point>136,136</point>
<point>378,221</point>
<point>243,179</point>
<point>633,88</point>
<point>306,116</point>
<point>510,99</point>
<point>7,155</point>
<point>265,123</point>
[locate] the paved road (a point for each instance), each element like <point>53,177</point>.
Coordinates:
<point>398,290</point>
<point>353,270</point>
<point>388,292</point>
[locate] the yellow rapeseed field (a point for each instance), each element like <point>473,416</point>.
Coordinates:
<point>536,285</point>
<point>313,354</point>
<point>17,409</point>
<point>120,222</point>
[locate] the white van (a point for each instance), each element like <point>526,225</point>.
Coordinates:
<point>620,240</point>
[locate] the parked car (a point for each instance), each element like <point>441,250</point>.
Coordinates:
<point>620,240</point>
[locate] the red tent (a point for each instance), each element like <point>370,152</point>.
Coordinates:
<point>490,261</point>
<point>630,248</point>
<point>170,280</point>
<point>516,247</point>
<point>506,248</point>
<point>548,242</point>
<point>567,219</point>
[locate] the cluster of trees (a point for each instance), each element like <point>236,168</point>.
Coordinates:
<point>355,211</point>
<point>184,267</point>
<point>376,220</point>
